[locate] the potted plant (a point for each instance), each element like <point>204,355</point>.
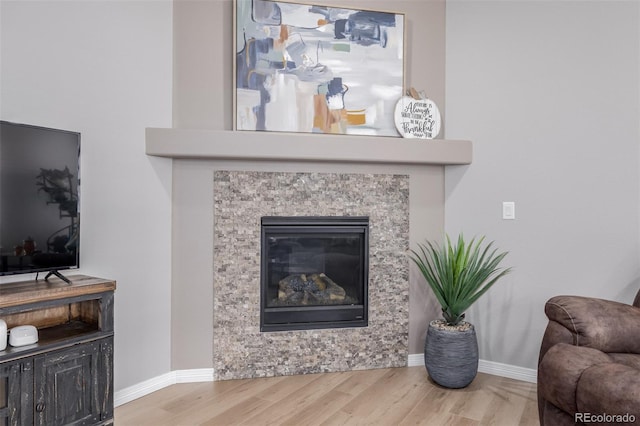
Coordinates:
<point>458,274</point>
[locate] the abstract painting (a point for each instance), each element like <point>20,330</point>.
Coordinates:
<point>317,69</point>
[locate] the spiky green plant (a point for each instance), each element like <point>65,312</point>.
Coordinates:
<point>459,274</point>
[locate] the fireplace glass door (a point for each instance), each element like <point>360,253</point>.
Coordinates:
<point>314,272</point>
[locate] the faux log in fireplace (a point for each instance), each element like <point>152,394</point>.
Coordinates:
<point>314,272</point>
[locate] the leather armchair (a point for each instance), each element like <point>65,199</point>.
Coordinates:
<point>589,364</point>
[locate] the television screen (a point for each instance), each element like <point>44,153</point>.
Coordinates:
<point>39,194</point>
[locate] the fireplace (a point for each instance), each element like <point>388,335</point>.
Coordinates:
<point>241,200</point>
<point>314,272</point>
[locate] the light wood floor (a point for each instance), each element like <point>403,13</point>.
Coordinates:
<point>396,396</point>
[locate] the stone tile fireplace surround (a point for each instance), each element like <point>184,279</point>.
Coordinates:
<point>240,200</point>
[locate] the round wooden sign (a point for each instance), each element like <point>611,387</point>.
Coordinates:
<point>417,118</point>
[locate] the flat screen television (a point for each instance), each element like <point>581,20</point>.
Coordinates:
<point>39,199</point>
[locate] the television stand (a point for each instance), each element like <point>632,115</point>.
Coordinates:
<point>66,377</point>
<point>57,274</point>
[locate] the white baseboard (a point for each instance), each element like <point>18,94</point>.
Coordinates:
<point>415,360</point>
<point>206,375</point>
<point>194,375</point>
<point>149,386</point>
<point>489,367</point>
<point>510,371</point>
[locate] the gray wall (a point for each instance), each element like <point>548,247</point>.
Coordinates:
<point>103,68</point>
<point>549,94</point>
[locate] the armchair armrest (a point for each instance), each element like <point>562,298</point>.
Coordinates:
<point>596,323</point>
<point>585,380</point>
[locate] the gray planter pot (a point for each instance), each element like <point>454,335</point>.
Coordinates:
<point>451,356</point>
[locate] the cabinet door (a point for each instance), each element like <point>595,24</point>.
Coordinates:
<point>16,396</point>
<point>69,389</point>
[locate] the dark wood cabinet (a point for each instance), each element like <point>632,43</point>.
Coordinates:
<point>66,378</point>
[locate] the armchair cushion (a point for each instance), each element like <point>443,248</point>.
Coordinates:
<point>631,360</point>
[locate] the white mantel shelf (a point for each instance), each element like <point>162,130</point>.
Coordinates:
<point>275,146</point>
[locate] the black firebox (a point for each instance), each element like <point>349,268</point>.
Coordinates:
<point>314,272</point>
